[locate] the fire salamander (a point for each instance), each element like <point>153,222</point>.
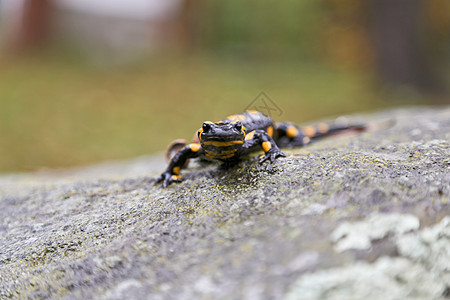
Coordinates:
<point>230,139</point>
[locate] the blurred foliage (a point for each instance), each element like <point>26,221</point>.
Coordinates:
<point>334,31</point>
<point>344,34</point>
<point>260,28</point>
<point>437,16</point>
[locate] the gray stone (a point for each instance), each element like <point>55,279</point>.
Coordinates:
<point>251,231</point>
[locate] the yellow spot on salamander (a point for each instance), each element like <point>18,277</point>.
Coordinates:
<point>309,131</point>
<point>199,133</point>
<point>175,177</point>
<point>176,170</point>
<point>266,146</point>
<point>306,140</point>
<point>323,127</point>
<point>253,112</point>
<point>195,147</point>
<point>223,144</point>
<point>292,131</point>
<point>250,135</point>
<point>270,131</point>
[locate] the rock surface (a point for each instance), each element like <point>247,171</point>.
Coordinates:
<point>349,217</point>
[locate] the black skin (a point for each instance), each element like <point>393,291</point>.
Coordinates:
<point>231,139</point>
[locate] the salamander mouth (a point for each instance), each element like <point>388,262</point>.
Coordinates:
<point>222,144</point>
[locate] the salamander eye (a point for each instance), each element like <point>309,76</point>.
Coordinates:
<point>206,126</point>
<point>238,126</point>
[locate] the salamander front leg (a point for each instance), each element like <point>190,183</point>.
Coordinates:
<point>172,172</point>
<point>260,137</point>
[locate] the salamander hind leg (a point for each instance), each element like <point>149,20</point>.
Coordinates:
<point>288,135</point>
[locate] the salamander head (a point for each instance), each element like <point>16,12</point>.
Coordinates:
<point>221,140</point>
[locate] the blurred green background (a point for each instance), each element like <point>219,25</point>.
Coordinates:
<point>82,83</point>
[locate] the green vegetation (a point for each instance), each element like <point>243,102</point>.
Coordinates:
<point>57,112</point>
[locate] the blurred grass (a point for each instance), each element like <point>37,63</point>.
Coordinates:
<point>56,112</point>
